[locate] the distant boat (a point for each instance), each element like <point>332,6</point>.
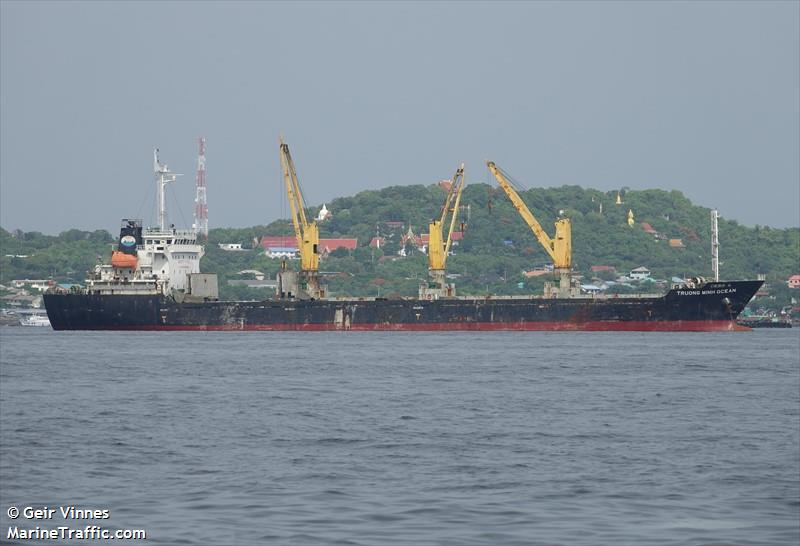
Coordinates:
<point>35,320</point>
<point>762,321</point>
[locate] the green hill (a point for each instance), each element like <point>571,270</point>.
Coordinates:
<point>496,247</point>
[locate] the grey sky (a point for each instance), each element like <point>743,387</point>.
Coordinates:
<point>699,97</point>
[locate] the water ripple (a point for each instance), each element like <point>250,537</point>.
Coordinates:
<point>540,438</point>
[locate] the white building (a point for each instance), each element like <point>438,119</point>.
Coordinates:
<point>324,214</point>
<point>289,253</point>
<point>639,274</point>
<point>231,246</point>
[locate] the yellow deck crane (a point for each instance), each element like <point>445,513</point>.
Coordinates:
<point>438,247</point>
<point>559,247</point>
<point>307,235</point>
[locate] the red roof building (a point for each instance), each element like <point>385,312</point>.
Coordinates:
<point>325,245</point>
<point>278,241</point>
<point>794,281</point>
<point>648,228</point>
<point>536,272</point>
<point>690,234</point>
<point>329,245</point>
<point>457,236</point>
<point>601,268</point>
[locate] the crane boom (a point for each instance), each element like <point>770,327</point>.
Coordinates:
<point>306,233</point>
<point>438,248</point>
<point>460,176</point>
<point>286,164</point>
<point>559,247</point>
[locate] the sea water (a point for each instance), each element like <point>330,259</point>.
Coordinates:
<point>405,438</point>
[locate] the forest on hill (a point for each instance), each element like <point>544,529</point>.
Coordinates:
<point>670,236</point>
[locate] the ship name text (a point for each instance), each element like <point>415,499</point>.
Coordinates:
<point>699,292</point>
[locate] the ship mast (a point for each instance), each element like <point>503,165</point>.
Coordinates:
<point>715,244</point>
<point>163,177</point>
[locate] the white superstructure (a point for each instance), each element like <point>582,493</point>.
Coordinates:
<point>165,259</point>
<point>170,256</point>
<point>157,260</point>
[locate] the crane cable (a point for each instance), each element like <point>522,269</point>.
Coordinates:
<point>516,184</point>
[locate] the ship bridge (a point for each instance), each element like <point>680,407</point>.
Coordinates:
<point>171,255</point>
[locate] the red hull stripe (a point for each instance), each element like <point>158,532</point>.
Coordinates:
<point>595,326</point>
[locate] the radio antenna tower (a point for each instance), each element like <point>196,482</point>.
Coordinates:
<point>715,243</point>
<point>200,204</point>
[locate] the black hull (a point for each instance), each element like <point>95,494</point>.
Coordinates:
<point>715,306</point>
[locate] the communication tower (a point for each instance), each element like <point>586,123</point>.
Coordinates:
<point>200,204</point>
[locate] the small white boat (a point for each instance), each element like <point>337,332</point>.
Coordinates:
<point>35,320</point>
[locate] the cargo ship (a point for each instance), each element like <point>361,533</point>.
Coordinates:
<point>710,307</point>
<point>154,283</point>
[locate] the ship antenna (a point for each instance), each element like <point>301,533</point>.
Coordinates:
<point>163,177</point>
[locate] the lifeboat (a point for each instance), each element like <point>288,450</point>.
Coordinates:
<point>121,260</point>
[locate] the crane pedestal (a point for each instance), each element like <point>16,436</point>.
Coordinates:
<point>302,286</point>
<point>309,283</point>
<point>436,287</point>
<point>565,289</point>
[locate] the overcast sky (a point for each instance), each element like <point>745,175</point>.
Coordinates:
<point>698,97</point>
